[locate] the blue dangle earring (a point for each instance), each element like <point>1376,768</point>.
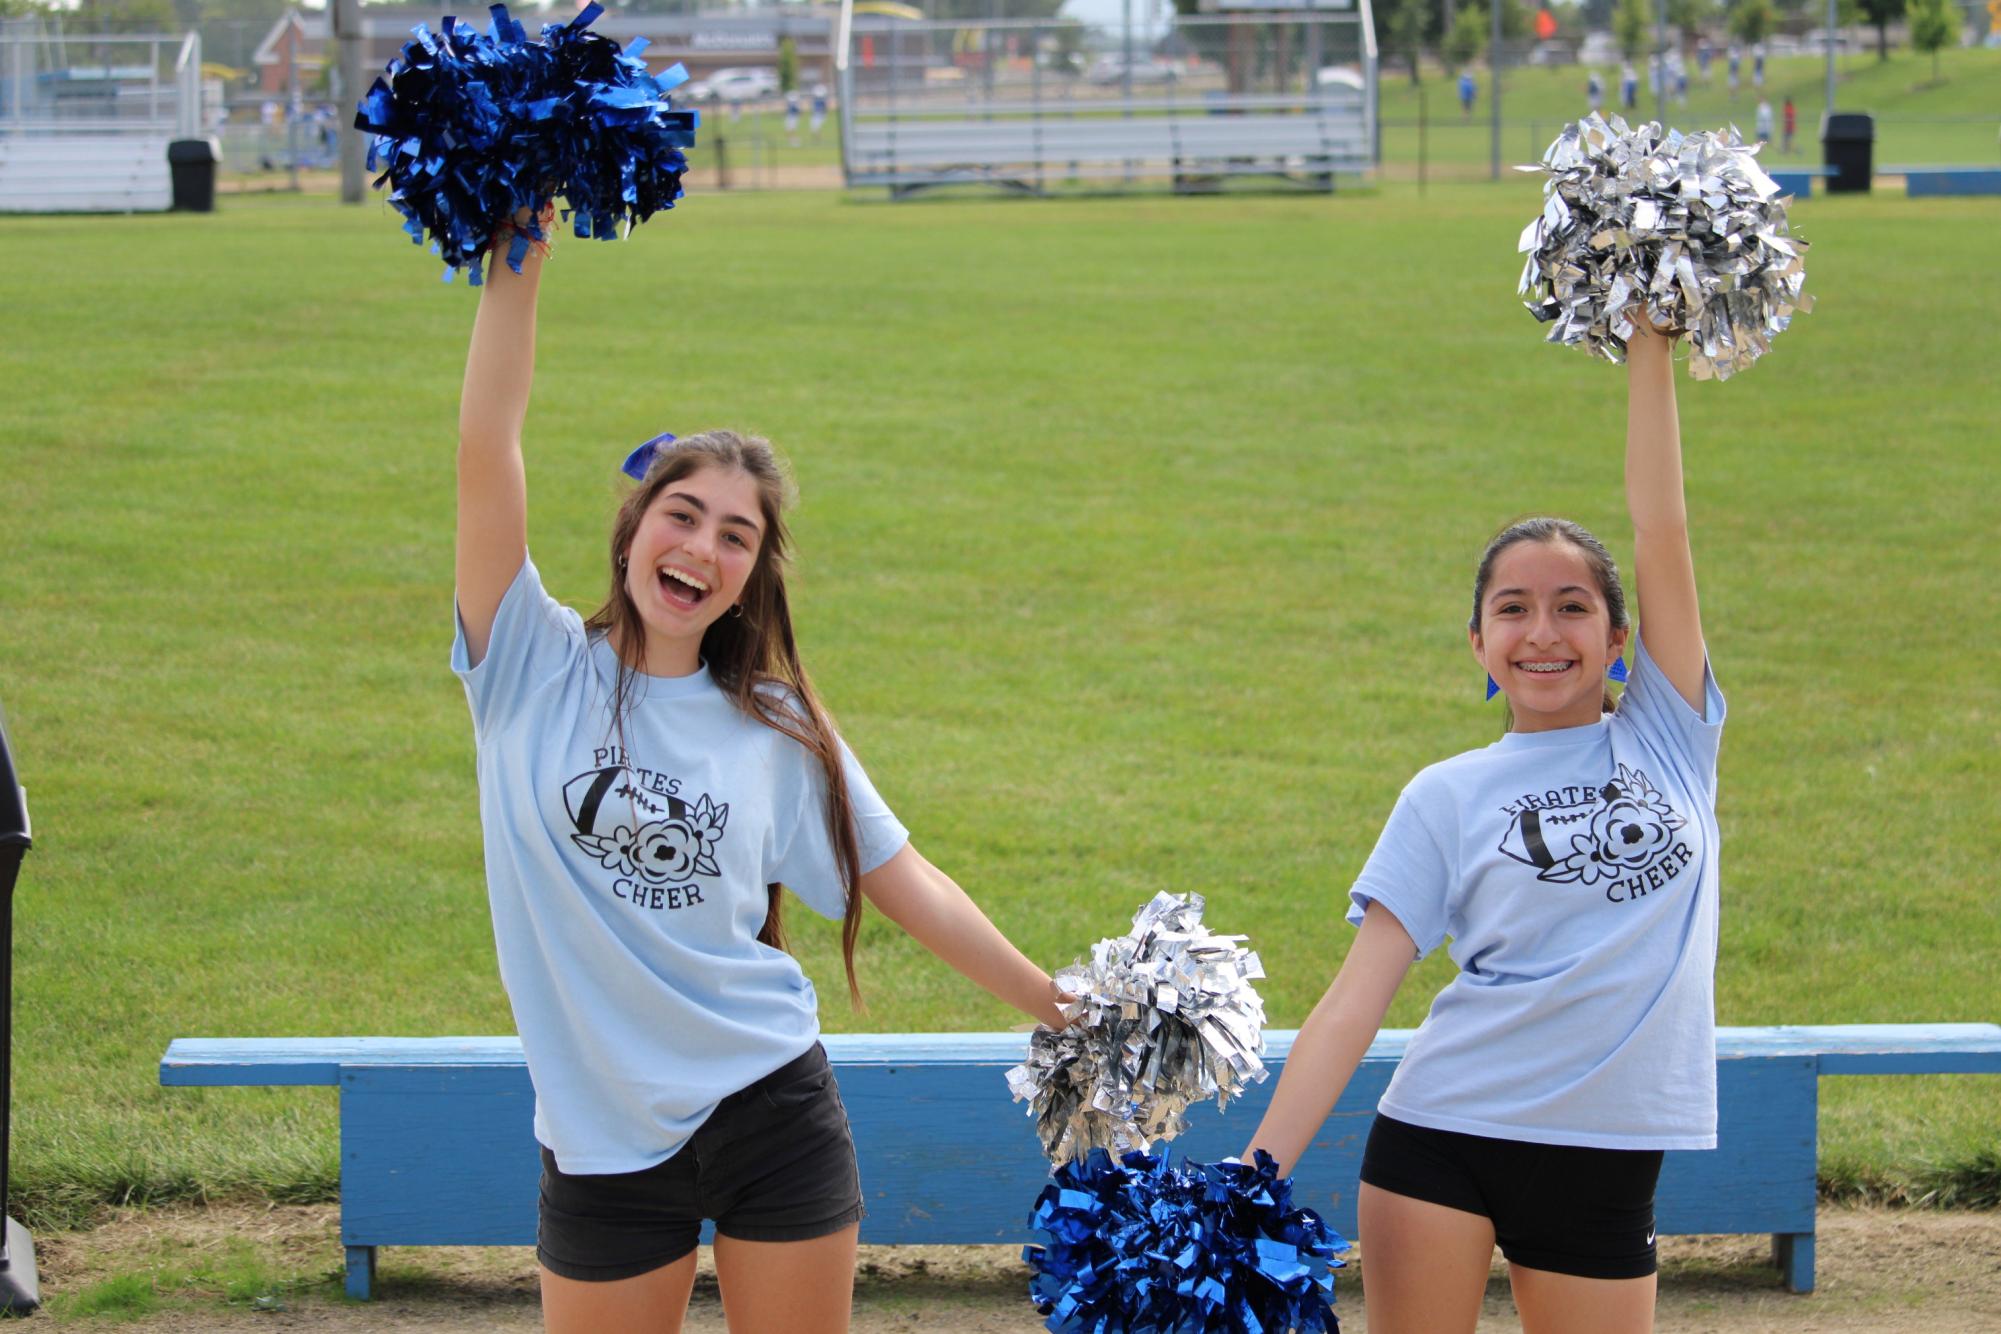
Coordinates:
<point>1616,672</point>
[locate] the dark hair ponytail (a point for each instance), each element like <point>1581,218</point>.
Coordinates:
<point>1554,532</point>
<point>753,657</point>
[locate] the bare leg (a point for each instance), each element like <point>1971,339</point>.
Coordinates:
<point>788,1287</point>
<point>1566,1304</point>
<point>1424,1266</point>
<point>651,1303</point>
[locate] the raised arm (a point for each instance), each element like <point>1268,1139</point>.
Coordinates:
<point>1663,565</point>
<point>927,903</point>
<point>1335,1037</point>
<point>493,488</point>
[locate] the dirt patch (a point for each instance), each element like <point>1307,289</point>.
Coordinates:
<point>231,1268</point>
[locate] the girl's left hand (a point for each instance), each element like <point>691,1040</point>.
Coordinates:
<point>1058,998</point>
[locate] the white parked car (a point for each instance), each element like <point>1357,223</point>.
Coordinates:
<point>1600,48</point>
<point>1112,70</point>
<point>1339,76</point>
<point>748,83</point>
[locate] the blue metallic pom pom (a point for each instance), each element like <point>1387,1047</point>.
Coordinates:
<point>1145,1247</point>
<point>471,128</point>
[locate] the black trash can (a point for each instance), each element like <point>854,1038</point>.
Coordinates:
<point>1848,144</point>
<point>194,162</point>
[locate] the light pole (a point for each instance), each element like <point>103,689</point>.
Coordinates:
<point>1660,74</point>
<point>1126,71</point>
<point>1494,73</point>
<point>347,50</point>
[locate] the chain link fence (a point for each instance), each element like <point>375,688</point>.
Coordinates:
<point>757,134</point>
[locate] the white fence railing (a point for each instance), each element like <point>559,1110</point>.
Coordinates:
<point>54,84</point>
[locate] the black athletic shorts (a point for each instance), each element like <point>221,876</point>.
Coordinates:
<point>774,1162</point>
<point>1559,1207</point>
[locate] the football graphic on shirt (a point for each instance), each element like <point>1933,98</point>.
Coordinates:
<point>1622,827</point>
<point>656,836</point>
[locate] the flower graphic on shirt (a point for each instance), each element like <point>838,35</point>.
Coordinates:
<point>1632,827</point>
<point>663,851</point>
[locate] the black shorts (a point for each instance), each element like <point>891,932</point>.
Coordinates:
<point>1559,1207</point>
<point>774,1162</point>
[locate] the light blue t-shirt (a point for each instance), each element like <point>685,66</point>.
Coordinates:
<point>628,885</point>
<point>1574,872</point>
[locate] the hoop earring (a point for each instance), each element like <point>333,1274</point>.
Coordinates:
<point>736,610</point>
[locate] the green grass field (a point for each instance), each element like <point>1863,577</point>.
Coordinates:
<point>1134,547</point>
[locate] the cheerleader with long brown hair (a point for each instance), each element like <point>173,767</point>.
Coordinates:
<point>649,778</point>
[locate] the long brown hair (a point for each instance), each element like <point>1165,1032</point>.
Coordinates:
<point>753,656</point>
<point>1555,532</point>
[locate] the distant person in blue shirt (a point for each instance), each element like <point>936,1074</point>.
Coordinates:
<point>1468,90</point>
<point>652,778</point>
<point>1594,90</point>
<point>1735,63</point>
<point>1570,869</point>
<point>1629,87</point>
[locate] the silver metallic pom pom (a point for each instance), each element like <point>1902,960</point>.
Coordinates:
<point>1165,1016</point>
<point>1690,225</point>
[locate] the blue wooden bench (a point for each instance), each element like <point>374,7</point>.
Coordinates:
<point>437,1147</point>
<point>1798,181</point>
<point>1947,180</point>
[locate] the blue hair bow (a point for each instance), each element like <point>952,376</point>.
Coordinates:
<point>1616,672</point>
<point>640,461</point>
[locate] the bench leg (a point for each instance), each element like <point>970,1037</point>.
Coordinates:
<point>361,1273</point>
<point>1792,1252</point>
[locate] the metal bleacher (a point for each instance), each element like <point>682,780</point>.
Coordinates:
<point>1041,106</point>
<point>85,173</point>
<point>85,121</point>
<point>1027,146</point>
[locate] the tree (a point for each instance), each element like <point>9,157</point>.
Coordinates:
<point>788,64</point>
<point>985,9</point>
<point>1407,32</point>
<point>1210,40</point>
<point>1064,45</point>
<point>1633,24</point>
<point>1934,26</point>
<point>1468,36</point>
<point>1690,17</point>
<point>270,11</point>
<point>123,16</point>
<point>1883,13</point>
<point>1752,21</point>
